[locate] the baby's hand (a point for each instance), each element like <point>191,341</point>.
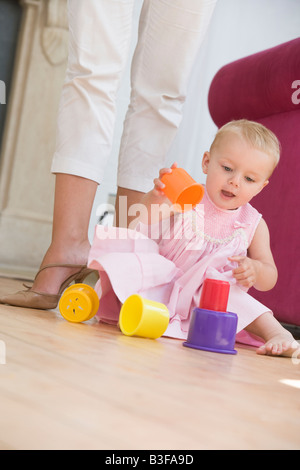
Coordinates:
<point>158,184</point>
<point>247,271</point>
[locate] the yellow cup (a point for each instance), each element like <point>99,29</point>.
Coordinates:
<point>142,317</point>
<point>79,303</point>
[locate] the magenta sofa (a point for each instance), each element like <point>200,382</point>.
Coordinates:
<point>265,87</point>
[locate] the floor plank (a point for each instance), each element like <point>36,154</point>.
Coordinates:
<point>87,386</point>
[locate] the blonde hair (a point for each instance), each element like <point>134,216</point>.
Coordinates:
<point>257,135</point>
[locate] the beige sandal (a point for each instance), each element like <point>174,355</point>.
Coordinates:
<point>34,299</point>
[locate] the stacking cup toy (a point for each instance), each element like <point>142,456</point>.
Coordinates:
<point>141,317</point>
<point>79,303</point>
<point>212,331</point>
<point>214,295</point>
<point>181,189</point>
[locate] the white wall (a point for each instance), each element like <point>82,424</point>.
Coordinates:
<point>238,28</point>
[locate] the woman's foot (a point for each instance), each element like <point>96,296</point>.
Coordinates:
<point>49,280</point>
<point>280,345</point>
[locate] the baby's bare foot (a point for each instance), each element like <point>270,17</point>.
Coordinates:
<point>280,345</point>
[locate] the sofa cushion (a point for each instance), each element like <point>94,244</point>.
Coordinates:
<point>263,87</point>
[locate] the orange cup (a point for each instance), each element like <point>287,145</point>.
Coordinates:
<point>181,189</point>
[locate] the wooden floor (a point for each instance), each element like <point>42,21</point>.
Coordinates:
<point>87,386</point>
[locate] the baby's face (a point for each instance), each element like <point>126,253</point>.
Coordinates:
<point>235,171</point>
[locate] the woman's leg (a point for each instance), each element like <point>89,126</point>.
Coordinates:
<point>99,38</point>
<point>73,203</point>
<point>170,34</point>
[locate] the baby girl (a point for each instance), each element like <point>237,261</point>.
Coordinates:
<point>228,239</point>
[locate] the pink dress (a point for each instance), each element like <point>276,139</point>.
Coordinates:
<point>168,262</point>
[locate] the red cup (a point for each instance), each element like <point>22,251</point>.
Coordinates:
<point>214,295</point>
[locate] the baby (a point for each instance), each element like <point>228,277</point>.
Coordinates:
<point>235,241</point>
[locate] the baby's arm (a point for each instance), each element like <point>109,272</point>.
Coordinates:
<point>154,205</point>
<point>258,268</point>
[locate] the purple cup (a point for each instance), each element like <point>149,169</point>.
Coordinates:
<point>212,331</point>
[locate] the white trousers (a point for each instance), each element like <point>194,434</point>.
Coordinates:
<point>170,33</point>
